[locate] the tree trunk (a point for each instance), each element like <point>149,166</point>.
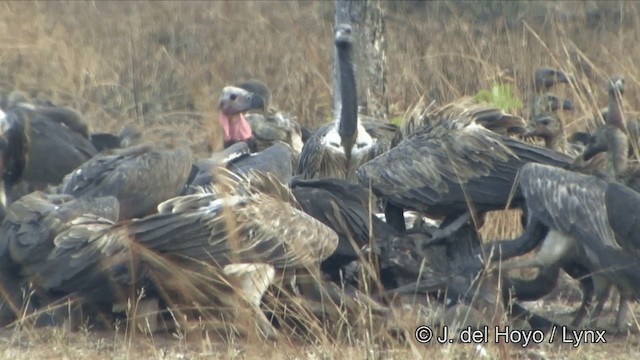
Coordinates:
<point>366,20</point>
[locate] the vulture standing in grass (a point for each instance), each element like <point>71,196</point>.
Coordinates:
<point>140,177</point>
<point>549,126</point>
<point>455,165</point>
<point>337,149</point>
<point>27,237</point>
<point>580,219</point>
<point>612,139</point>
<point>247,229</point>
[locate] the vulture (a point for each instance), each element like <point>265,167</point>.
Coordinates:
<point>140,177</point>
<point>249,224</point>
<point>454,165</point>
<point>278,160</point>
<point>548,125</point>
<point>544,79</point>
<point>269,125</point>
<point>27,237</point>
<point>233,103</point>
<point>612,139</point>
<point>579,219</point>
<point>344,207</point>
<point>49,144</point>
<point>338,148</point>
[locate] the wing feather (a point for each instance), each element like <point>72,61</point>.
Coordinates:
<point>570,202</point>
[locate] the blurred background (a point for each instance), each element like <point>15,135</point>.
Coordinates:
<point>161,65</point>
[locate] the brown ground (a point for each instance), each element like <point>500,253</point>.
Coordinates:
<point>161,65</point>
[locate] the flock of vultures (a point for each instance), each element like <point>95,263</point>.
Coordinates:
<point>287,219</point>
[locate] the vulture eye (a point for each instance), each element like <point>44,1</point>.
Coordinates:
<point>233,97</point>
<point>545,122</point>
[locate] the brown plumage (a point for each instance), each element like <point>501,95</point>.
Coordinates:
<point>455,159</point>
<point>248,220</point>
<point>269,226</point>
<point>55,143</point>
<point>475,111</point>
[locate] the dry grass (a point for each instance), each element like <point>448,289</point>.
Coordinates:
<point>161,65</point>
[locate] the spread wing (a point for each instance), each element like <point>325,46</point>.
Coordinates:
<point>428,171</point>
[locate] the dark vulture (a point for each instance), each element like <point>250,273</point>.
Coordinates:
<point>48,146</point>
<point>582,220</point>
<point>545,77</point>
<point>140,177</point>
<point>27,237</point>
<point>277,160</point>
<point>344,207</point>
<point>338,148</point>
<point>455,164</point>
<point>250,224</point>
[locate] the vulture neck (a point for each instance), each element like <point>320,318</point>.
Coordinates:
<point>614,111</point>
<point>348,123</point>
<point>616,137</point>
<point>557,141</point>
<point>617,156</point>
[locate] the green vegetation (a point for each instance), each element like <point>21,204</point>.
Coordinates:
<point>501,96</point>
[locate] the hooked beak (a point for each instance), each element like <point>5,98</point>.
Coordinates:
<point>234,100</point>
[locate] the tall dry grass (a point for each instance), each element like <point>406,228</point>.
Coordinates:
<point>161,66</point>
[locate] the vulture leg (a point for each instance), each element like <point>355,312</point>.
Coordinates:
<point>588,286</point>
<point>445,232</point>
<point>251,281</point>
<point>587,300</point>
<point>602,295</point>
<point>147,315</point>
<point>623,312</point>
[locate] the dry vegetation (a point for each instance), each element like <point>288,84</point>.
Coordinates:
<point>161,65</point>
